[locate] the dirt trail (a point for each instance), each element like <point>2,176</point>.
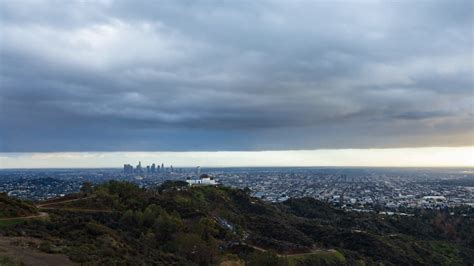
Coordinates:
<point>39,215</point>
<point>64,201</point>
<point>77,210</point>
<point>307,253</point>
<point>295,254</point>
<point>44,206</point>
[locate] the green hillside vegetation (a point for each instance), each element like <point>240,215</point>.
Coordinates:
<point>10,207</point>
<point>6,261</point>
<point>174,224</point>
<point>10,222</point>
<point>316,258</point>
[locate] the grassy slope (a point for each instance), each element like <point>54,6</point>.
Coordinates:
<point>10,207</point>
<point>317,258</point>
<point>7,261</point>
<point>7,223</point>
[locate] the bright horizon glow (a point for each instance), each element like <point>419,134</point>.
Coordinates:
<point>397,157</point>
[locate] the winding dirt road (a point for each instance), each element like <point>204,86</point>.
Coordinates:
<point>64,201</point>
<point>39,215</point>
<point>44,206</point>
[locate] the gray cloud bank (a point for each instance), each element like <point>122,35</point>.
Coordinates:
<point>235,75</point>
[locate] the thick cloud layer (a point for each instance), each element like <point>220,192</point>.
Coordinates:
<point>235,75</point>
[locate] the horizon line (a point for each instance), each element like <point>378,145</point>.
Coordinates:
<point>440,157</point>
<point>261,166</point>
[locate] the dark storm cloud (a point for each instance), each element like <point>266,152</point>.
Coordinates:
<point>243,75</point>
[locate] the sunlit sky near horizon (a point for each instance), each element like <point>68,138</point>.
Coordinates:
<point>404,157</point>
<point>236,83</point>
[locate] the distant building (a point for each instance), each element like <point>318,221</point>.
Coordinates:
<point>139,169</point>
<point>433,201</point>
<point>127,169</point>
<point>153,168</point>
<point>204,180</point>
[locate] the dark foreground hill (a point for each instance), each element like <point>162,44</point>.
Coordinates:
<point>10,207</point>
<point>121,223</point>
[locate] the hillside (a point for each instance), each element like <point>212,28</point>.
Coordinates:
<point>174,224</point>
<point>10,207</point>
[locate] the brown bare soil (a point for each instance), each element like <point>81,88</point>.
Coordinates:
<point>40,215</point>
<point>25,250</point>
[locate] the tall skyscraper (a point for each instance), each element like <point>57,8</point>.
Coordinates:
<point>153,167</point>
<point>139,168</point>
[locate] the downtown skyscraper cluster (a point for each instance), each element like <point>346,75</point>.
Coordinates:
<point>129,169</point>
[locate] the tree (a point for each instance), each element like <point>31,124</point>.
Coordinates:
<point>195,249</point>
<point>167,225</point>
<point>207,228</point>
<point>87,188</point>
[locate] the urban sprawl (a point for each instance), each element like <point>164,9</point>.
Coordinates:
<point>385,190</point>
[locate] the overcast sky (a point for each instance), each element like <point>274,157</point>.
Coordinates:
<point>235,75</point>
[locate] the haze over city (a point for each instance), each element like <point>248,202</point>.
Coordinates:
<point>419,157</point>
